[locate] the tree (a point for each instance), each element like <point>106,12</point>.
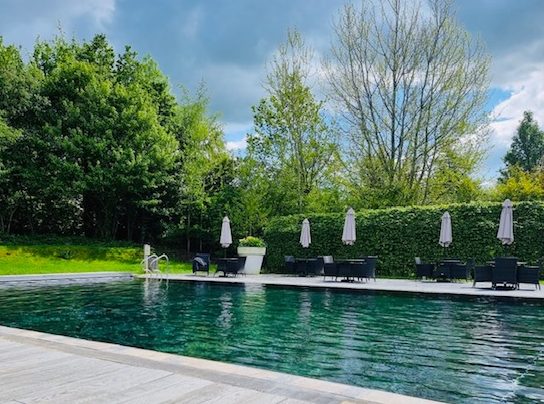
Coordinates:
<point>202,166</point>
<point>408,87</point>
<point>293,143</point>
<point>521,185</point>
<point>527,148</point>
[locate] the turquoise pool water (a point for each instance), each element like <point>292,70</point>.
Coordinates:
<point>445,349</point>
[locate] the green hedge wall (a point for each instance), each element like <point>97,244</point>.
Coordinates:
<point>397,235</point>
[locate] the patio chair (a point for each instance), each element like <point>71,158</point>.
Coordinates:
<point>529,274</point>
<point>329,268</point>
<point>505,272</point>
<point>482,273</point>
<point>289,264</point>
<point>316,268</point>
<point>201,262</point>
<point>458,271</point>
<point>369,268</point>
<point>345,270</point>
<point>442,271</point>
<point>423,270</point>
<point>233,267</point>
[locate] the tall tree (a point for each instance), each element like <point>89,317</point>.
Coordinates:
<point>527,148</point>
<point>409,86</point>
<point>293,142</point>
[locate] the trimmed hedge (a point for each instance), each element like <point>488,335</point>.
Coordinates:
<point>397,235</point>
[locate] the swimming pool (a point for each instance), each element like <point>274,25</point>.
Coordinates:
<point>448,349</point>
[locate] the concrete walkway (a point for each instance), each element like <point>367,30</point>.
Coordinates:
<point>383,285</point>
<point>43,368</point>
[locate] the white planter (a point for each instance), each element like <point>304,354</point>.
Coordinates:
<point>254,259</point>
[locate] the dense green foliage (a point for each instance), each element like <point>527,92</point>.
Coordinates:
<point>293,149</point>
<point>397,235</point>
<point>97,144</point>
<point>251,241</point>
<point>527,149</point>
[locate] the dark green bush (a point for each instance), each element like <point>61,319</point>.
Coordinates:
<point>398,235</point>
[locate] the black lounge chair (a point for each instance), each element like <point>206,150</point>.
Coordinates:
<point>442,271</point>
<point>306,266</point>
<point>315,267</point>
<point>529,274</point>
<point>458,271</point>
<point>201,262</point>
<point>505,272</point>
<point>423,270</point>
<point>368,270</point>
<point>346,270</point>
<point>482,273</point>
<point>232,266</point>
<point>330,269</point>
<point>289,264</point>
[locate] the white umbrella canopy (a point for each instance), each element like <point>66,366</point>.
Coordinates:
<point>348,235</point>
<point>506,224</point>
<point>226,237</point>
<point>305,237</point>
<point>445,231</point>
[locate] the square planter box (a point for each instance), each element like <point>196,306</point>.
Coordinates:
<point>254,259</point>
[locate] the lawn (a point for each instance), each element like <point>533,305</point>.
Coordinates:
<point>16,259</point>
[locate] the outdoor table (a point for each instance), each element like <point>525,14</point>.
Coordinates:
<point>349,263</point>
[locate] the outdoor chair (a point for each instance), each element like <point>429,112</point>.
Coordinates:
<point>330,269</point>
<point>313,267</point>
<point>458,271</point>
<point>369,268</point>
<point>289,264</point>
<point>423,270</point>
<point>505,272</point>
<point>234,267</point>
<point>321,260</point>
<point>304,267</point>
<point>442,271</point>
<point>345,270</point>
<point>201,262</point>
<point>529,274</point>
<point>482,273</point>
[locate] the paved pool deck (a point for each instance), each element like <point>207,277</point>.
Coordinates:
<point>37,367</point>
<point>482,289</point>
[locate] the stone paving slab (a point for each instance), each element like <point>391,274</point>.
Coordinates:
<point>38,367</point>
<point>65,277</point>
<point>482,289</point>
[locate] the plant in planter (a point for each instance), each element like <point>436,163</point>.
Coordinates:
<point>254,249</point>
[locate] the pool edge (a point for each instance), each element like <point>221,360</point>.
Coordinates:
<point>257,379</point>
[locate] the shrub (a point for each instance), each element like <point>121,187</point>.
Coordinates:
<point>397,235</point>
<point>251,241</point>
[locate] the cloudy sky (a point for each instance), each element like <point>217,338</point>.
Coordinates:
<point>225,43</point>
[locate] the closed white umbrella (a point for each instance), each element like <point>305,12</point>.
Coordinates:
<point>348,235</point>
<point>506,225</point>
<point>445,231</point>
<point>305,238</point>
<point>226,237</point>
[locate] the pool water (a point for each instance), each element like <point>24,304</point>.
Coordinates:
<point>447,349</point>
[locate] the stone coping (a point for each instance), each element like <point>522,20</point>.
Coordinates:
<point>284,387</point>
<point>464,289</point>
<point>66,276</point>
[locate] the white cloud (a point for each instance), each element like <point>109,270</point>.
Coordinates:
<point>527,94</point>
<point>234,145</point>
<point>22,24</point>
<point>236,132</point>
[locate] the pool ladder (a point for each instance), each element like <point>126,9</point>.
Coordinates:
<point>151,267</point>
